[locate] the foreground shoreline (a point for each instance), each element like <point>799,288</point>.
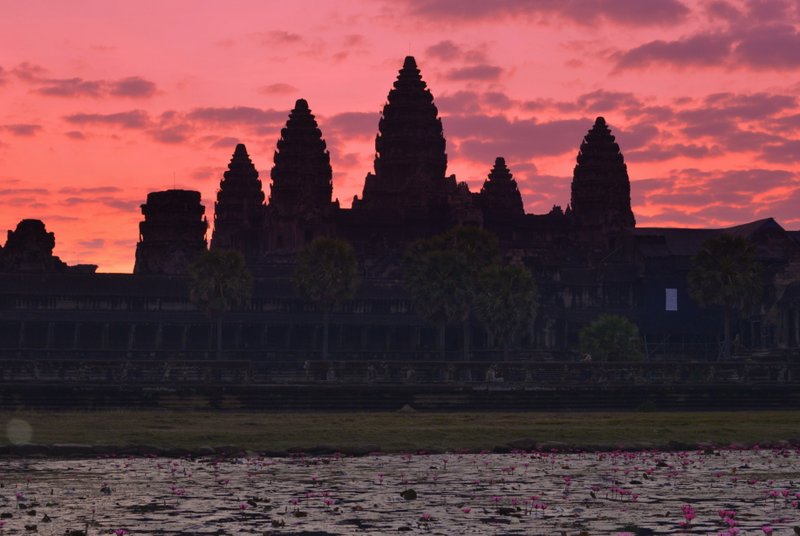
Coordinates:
<point>179,433</point>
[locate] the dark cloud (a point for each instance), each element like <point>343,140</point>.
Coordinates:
<point>133,86</point>
<point>697,50</point>
<point>769,47</point>
<point>458,102</point>
<point>177,133</point>
<point>278,88</point>
<point>97,243</point>
<point>7,192</point>
<point>444,50</point>
<point>3,76</point>
<point>723,10</point>
<point>90,190</point>
<point>225,143</point>
<point>75,135</point>
<point>786,151</point>
<point>242,115</point>
<point>354,124</point>
<point>23,129</point>
<point>117,203</point>
<point>660,152</point>
<point>475,72</point>
<point>481,137</point>
<point>279,37</point>
<point>71,87</point>
<point>133,119</point>
<point>584,12</point>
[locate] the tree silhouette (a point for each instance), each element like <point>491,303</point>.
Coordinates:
<point>327,274</point>
<point>218,281</point>
<point>611,338</point>
<point>442,275</point>
<point>506,302</point>
<point>726,273</point>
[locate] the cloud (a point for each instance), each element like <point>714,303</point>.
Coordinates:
<point>71,190</point>
<point>354,124</point>
<point>130,87</point>
<point>133,119</point>
<point>278,88</point>
<point>482,137</point>
<point>71,87</point>
<point>475,72</point>
<point>583,12</point>
<point>242,115</point>
<point>177,133</point>
<point>23,129</point>
<point>3,76</point>
<point>133,86</point>
<point>659,152</point>
<point>444,50</point>
<point>97,243</point>
<point>697,50</point>
<point>75,135</point>
<point>786,151</point>
<point>769,47</point>
<point>279,37</point>
<point>226,142</point>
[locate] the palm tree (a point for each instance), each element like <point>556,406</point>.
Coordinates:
<point>218,281</point>
<point>611,338</point>
<point>442,275</point>
<point>726,273</point>
<point>506,302</point>
<point>327,274</point>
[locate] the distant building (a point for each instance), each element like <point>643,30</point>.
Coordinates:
<point>587,259</point>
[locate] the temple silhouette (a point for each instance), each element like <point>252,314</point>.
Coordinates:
<point>587,259</point>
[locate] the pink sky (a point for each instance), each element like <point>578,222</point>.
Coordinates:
<point>102,102</point>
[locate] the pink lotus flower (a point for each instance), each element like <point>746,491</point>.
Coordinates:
<point>766,529</point>
<point>466,510</point>
<point>120,532</point>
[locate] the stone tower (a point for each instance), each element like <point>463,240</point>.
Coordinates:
<point>173,232</point>
<point>29,248</point>
<point>239,210</point>
<point>601,190</point>
<point>499,197</point>
<point>300,206</point>
<point>410,160</point>
<point>301,177</point>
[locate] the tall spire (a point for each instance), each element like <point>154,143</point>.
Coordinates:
<point>301,177</point>
<point>239,210</point>
<point>499,196</point>
<point>410,159</point>
<point>601,190</point>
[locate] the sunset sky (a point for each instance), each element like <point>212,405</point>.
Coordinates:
<point>102,102</point>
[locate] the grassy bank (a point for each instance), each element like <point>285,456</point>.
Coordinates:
<point>395,432</point>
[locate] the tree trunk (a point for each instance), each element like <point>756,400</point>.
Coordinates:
<point>219,337</point>
<point>325,321</point>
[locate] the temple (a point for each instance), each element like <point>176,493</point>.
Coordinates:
<point>588,258</point>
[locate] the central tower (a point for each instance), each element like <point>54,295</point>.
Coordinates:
<point>410,159</point>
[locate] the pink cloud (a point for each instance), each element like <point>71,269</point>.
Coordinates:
<point>626,12</point>
<point>475,72</point>
<point>23,129</point>
<point>133,86</point>
<point>769,47</point>
<point>239,115</point>
<point>278,88</point>
<point>697,50</point>
<point>133,119</point>
<point>353,124</point>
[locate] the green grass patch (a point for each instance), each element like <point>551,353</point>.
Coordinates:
<point>397,432</point>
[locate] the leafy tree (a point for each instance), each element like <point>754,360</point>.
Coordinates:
<point>726,273</point>
<point>506,302</point>
<point>611,338</point>
<point>442,275</point>
<point>327,274</point>
<point>218,281</point>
